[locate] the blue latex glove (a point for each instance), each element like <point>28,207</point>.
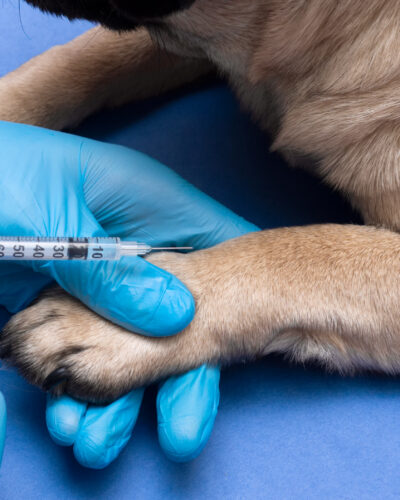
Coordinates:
<point>57,184</point>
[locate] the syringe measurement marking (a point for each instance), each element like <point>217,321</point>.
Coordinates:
<point>64,248</point>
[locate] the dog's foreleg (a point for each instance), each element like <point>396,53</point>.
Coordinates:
<point>326,293</point>
<point>101,68</point>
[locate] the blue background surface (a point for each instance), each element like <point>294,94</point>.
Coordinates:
<point>283,431</point>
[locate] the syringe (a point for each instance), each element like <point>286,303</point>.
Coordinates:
<point>43,248</point>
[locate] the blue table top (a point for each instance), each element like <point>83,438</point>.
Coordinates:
<point>283,431</point>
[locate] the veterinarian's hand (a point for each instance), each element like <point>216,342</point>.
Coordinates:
<point>58,184</point>
<point>54,184</point>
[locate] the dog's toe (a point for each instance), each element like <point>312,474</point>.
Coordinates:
<point>56,377</point>
<point>5,349</point>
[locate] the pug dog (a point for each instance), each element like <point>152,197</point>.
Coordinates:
<point>322,77</point>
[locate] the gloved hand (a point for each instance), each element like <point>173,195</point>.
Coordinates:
<point>55,184</point>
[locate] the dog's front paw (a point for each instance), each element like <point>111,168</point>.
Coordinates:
<point>60,345</point>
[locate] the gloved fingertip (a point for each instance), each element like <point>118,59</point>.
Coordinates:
<point>92,455</point>
<point>187,406</point>
<point>174,312</point>
<point>3,419</point>
<point>63,418</point>
<point>184,439</point>
<point>106,430</point>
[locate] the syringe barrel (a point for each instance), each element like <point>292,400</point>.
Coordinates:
<point>42,248</point>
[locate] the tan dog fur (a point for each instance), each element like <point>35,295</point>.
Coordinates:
<point>322,76</point>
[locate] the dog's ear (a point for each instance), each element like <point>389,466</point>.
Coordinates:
<point>148,9</point>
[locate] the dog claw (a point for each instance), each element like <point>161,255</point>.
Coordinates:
<point>5,351</point>
<point>55,378</point>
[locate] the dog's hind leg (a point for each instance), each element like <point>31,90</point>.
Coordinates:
<point>101,68</point>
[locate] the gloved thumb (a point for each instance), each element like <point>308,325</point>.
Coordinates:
<point>130,292</point>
